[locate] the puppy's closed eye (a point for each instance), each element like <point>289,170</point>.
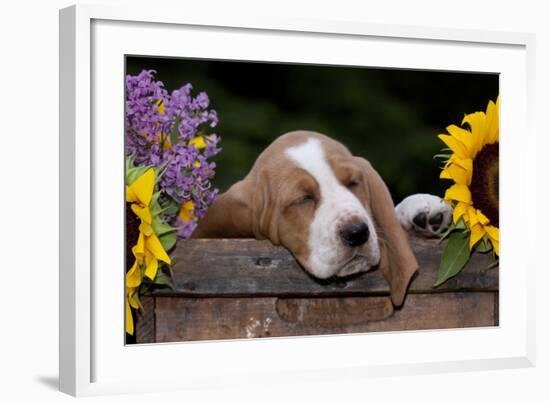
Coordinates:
<point>352,184</point>
<point>307,199</point>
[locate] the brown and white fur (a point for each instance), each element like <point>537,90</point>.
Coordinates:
<point>330,209</point>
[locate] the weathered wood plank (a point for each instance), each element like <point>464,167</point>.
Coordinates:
<point>442,311</point>
<point>188,319</point>
<point>333,312</point>
<point>145,321</point>
<point>246,267</point>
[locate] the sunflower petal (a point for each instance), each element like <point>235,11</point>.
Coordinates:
<point>154,246</point>
<point>472,217</point>
<point>455,145</point>
<point>496,245</point>
<point>146,228</point>
<point>130,195</point>
<point>492,232</point>
<point>477,122</point>
<point>152,265</point>
<point>133,276</point>
<point>143,187</point>
<point>139,249</point>
<point>482,218</point>
<point>129,319</point>
<point>445,174</point>
<point>466,164</point>
<point>142,212</point>
<point>459,192</point>
<point>460,209</point>
<point>476,233</point>
<point>492,122</point>
<point>462,135</point>
<point>456,173</point>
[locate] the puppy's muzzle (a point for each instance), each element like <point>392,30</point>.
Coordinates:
<point>355,233</point>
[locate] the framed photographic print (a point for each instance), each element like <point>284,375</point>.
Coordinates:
<point>208,280</point>
<point>237,190</point>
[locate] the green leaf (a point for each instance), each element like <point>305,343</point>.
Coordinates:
<point>460,225</point>
<point>135,297</point>
<point>175,132</point>
<point>154,204</point>
<point>166,207</point>
<point>130,162</point>
<point>134,173</point>
<point>453,227</point>
<point>484,245</point>
<point>455,256</point>
<point>163,279</point>
<point>168,240</point>
<point>447,233</point>
<point>161,228</point>
<point>171,207</point>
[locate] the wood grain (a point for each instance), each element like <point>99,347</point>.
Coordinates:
<point>243,288</point>
<point>189,319</point>
<point>247,267</point>
<point>145,321</point>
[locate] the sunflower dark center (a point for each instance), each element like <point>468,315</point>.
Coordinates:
<point>484,186</point>
<point>132,234</point>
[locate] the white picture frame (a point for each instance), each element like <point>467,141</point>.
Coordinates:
<point>93,358</point>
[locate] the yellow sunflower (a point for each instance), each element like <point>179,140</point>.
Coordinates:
<point>148,249</point>
<point>473,166</point>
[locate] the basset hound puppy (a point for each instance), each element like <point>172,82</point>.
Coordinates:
<point>330,209</point>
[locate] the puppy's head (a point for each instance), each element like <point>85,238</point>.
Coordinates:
<point>329,209</point>
<point>322,220</point>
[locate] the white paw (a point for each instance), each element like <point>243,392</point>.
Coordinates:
<point>426,214</point>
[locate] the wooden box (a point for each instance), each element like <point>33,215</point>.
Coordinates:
<point>243,288</point>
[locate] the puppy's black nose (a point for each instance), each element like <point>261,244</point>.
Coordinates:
<point>355,233</point>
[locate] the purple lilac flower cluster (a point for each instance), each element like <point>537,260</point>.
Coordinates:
<point>171,131</point>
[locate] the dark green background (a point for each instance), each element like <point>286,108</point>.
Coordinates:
<point>391,117</point>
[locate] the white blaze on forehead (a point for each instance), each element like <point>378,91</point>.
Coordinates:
<point>337,204</point>
<point>311,157</point>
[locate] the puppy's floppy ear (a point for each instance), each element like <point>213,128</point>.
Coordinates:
<point>397,262</point>
<point>244,211</point>
<point>265,207</point>
<point>230,216</point>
